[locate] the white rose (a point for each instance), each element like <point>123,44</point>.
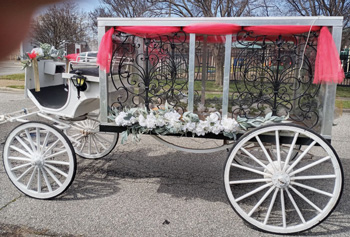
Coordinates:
<point>177,127</point>
<point>151,121</point>
<point>216,129</point>
<point>142,120</point>
<point>191,126</point>
<point>213,117</point>
<point>160,122</point>
<point>172,117</point>
<point>202,127</point>
<point>229,125</point>
<point>120,118</point>
<point>200,131</point>
<point>133,120</point>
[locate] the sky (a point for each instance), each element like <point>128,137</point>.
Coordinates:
<point>84,5</point>
<point>87,5</point>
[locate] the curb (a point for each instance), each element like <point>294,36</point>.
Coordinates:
<point>8,89</point>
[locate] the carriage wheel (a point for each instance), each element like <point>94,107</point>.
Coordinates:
<point>284,195</point>
<point>88,141</point>
<point>39,160</point>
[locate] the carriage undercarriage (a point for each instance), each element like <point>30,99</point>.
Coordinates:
<point>280,177</point>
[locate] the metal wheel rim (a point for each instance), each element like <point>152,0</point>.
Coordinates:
<point>284,228</point>
<point>47,171</point>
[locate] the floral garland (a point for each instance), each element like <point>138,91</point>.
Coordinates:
<point>46,51</point>
<point>169,121</point>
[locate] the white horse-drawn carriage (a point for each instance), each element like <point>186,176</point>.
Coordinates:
<point>281,177</point>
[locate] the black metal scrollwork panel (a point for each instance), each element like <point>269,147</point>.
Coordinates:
<point>150,71</point>
<point>273,73</point>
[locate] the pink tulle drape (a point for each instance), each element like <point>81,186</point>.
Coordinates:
<point>280,29</point>
<point>148,31</point>
<point>328,67</point>
<point>212,28</point>
<point>105,51</point>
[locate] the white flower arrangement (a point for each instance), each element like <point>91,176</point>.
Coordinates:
<point>45,51</point>
<point>169,121</point>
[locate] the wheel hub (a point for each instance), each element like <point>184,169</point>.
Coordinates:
<point>280,178</point>
<point>38,161</point>
<point>87,132</point>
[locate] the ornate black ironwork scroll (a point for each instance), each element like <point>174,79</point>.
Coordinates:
<point>272,73</point>
<point>150,71</point>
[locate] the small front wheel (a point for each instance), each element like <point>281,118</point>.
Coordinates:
<point>285,188</point>
<point>39,160</point>
<point>88,141</point>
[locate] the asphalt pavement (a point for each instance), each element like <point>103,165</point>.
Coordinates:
<point>145,189</point>
<point>10,67</point>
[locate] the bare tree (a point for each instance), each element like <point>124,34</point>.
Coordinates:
<point>325,8</point>
<point>320,7</point>
<point>59,24</point>
<point>200,8</point>
<point>204,8</point>
<point>120,8</point>
<point>266,8</point>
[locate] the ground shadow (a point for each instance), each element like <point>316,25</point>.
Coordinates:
<point>179,174</point>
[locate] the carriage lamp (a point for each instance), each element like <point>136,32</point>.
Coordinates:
<point>79,81</point>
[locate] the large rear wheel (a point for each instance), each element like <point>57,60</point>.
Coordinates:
<point>277,193</point>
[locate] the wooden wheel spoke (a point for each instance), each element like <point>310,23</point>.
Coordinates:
<point>48,185</point>
<point>20,166</point>
<point>53,176</point>
<point>261,201</point>
<point>254,158</point>
<point>290,152</point>
<point>57,170</point>
<point>24,145</point>
<point>251,170</point>
<point>310,165</point>
<point>272,203</point>
<point>301,156</point>
<point>53,145</point>
<point>31,178</point>
<point>95,144</point>
<point>316,190</point>
<point>24,173</point>
<point>253,192</point>
<point>21,151</point>
<point>295,206</point>
<point>306,199</point>
<point>30,140</point>
<point>55,154</point>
